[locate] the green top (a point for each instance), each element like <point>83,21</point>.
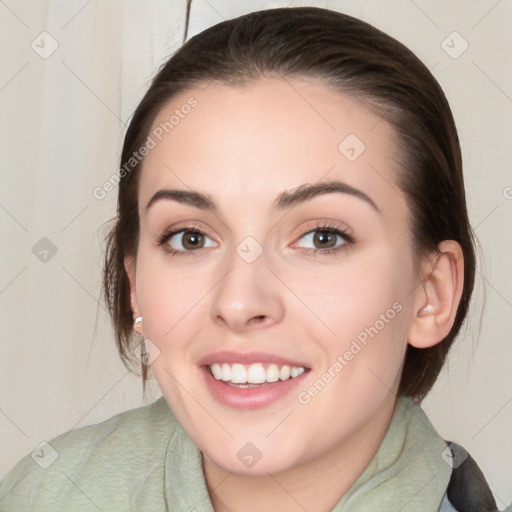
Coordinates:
<point>142,460</point>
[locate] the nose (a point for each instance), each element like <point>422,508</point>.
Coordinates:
<point>247,297</point>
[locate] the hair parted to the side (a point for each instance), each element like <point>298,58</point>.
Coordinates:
<point>355,58</point>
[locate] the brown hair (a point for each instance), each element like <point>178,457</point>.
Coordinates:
<point>355,58</point>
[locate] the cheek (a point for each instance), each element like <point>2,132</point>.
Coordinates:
<point>351,297</point>
<point>362,315</point>
<point>162,299</point>
<point>169,293</point>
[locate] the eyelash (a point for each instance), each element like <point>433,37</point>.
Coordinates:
<point>327,228</point>
<point>167,235</point>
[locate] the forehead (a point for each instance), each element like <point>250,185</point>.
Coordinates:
<point>254,141</point>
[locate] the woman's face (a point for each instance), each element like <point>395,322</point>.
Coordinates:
<point>274,250</point>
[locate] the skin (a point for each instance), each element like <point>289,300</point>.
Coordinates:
<point>242,147</point>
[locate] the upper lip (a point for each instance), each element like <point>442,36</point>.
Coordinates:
<point>232,357</point>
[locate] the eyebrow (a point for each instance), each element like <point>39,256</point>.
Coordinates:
<point>306,192</point>
<point>188,197</point>
<point>285,200</point>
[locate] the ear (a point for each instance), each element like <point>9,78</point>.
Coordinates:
<point>437,298</point>
<point>129,266</point>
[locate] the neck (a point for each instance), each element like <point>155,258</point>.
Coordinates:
<point>315,485</point>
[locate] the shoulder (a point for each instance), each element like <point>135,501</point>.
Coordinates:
<point>113,452</point>
<point>134,428</point>
<point>130,435</point>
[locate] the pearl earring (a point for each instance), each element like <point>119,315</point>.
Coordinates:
<point>137,325</point>
<point>428,309</point>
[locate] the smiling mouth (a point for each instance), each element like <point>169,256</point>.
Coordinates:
<point>254,375</point>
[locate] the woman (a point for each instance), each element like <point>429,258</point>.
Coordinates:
<point>292,244</point>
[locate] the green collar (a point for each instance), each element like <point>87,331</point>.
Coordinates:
<point>409,472</point>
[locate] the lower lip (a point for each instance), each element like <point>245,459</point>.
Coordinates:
<point>249,398</point>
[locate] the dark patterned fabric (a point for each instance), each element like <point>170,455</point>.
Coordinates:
<point>468,490</point>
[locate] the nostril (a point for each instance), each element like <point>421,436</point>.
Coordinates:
<point>258,319</point>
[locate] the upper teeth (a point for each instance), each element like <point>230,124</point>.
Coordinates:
<point>254,373</point>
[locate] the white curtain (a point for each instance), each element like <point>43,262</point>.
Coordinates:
<point>71,74</point>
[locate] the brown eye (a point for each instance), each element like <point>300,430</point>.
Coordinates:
<point>192,240</point>
<point>324,239</point>
<point>186,240</point>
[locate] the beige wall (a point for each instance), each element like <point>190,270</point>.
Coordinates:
<point>62,124</point>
